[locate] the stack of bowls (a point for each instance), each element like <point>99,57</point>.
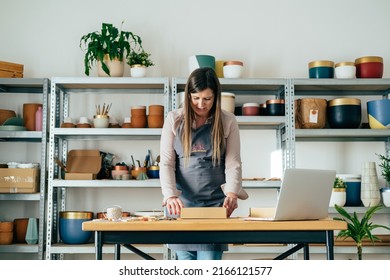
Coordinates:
<point>156,116</point>
<point>70,227</point>
<point>369,67</point>
<point>344,113</point>
<point>321,69</point>
<point>138,116</point>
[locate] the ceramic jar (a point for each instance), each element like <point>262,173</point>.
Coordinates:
<point>138,71</point>
<point>320,69</point>
<point>101,121</point>
<point>275,107</point>
<point>228,101</point>
<point>370,194</point>
<point>250,109</point>
<point>138,117</point>
<point>345,70</point>
<point>344,113</point>
<point>29,110</point>
<point>232,69</point>
<point>369,67</point>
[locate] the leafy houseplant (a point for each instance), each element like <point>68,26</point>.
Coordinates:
<point>111,42</point>
<point>359,230</point>
<point>339,183</point>
<point>139,57</point>
<point>385,165</point>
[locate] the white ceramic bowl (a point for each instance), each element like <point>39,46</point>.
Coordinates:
<point>101,121</point>
<point>345,70</point>
<point>232,69</point>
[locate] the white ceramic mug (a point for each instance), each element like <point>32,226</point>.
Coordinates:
<point>113,213</point>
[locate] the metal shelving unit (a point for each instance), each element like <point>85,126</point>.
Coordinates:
<point>379,88</point>
<point>35,87</point>
<point>61,90</point>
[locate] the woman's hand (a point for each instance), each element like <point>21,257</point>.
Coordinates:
<point>174,205</point>
<point>230,203</point>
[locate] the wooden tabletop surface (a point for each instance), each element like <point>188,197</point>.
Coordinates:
<point>230,224</point>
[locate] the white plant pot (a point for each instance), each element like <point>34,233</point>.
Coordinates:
<point>137,71</point>
<point>116,67</point>
<point>339,197</point>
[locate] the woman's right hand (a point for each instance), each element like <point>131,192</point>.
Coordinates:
<point>174,205</point>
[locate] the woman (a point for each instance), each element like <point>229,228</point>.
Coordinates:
<point>200,161</point>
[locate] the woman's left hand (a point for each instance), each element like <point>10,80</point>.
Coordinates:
<point>230,203</point>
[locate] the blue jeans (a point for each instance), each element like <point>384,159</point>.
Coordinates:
<point>199,255</point>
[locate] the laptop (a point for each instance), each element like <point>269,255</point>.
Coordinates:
<point>304,195</point>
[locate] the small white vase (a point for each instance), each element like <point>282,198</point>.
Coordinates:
<point>339,197</point>
<point>370,193</point>
<point>137,71</point>
<point>116,67</point>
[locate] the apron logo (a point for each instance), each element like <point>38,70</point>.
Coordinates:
<point>198,148</point>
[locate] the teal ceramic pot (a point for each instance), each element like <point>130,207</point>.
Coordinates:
<point>344,113</point>
<point>379,113</point>
<point>321,69</point>
<point>200,61</point>
<point>353,190</point>
<point>70,227</point>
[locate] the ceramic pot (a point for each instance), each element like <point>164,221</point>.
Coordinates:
<point>275,107</point>
<point>353,191</point>
<point>369,67</point>
<point>29,110</point>
<point>339,197</point>
<point>200,61</point>
<point>344,113</point>
<point>321,69</point>
<point>219,68</point>
<point>116,67</point>
<point>153,171</point>
<point>138,71</point>
<point>250,109</point>
<point>70,227</point>
<point>135,171</point>
<point>228,101</point>
<point>232,69</point>
<point>20,229</point>
<point>156,110</point>
<point>138,111</point>
<point>101,121</point>
<point>370,193</point>
<point>379,113</point>
<point>345,70</point>
<point>155,121</point>
<point>138,121</point>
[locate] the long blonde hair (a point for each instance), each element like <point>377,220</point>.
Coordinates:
<point>200,80</point>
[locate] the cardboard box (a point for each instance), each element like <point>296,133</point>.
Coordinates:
<point>203,213</point>
<point>261,212</point>
<point>83,164</point>
<point>19,180</point>
<point>11,70</point>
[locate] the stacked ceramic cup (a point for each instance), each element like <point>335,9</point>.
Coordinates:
<point>370,193</point>
<point>138,116</point>
<point>156,116</point>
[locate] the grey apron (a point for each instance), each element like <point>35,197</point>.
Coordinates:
<point>199,182</point>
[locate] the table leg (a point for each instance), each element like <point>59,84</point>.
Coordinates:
<point>98,245</point>
<point>329,244</point>
<point>306,253</point>
<point>117,251</point>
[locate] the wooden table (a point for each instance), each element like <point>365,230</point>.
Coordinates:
<point>225,231</point>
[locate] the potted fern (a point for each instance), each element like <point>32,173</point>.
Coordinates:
<point>359,230</point>
<point>108,48</point>
<point>385,172</point>
<point>139,60</point>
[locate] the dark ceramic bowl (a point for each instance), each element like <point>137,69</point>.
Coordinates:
<point>369,67</point>
<point>275,107</point>
<point>344,113</point>
<point>250,109</point>
<point>70,227</point>
<point>321,69</point>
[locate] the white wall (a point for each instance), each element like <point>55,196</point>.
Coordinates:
<point>275,39</point>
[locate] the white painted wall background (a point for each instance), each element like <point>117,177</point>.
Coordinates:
<point>275,39</point>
